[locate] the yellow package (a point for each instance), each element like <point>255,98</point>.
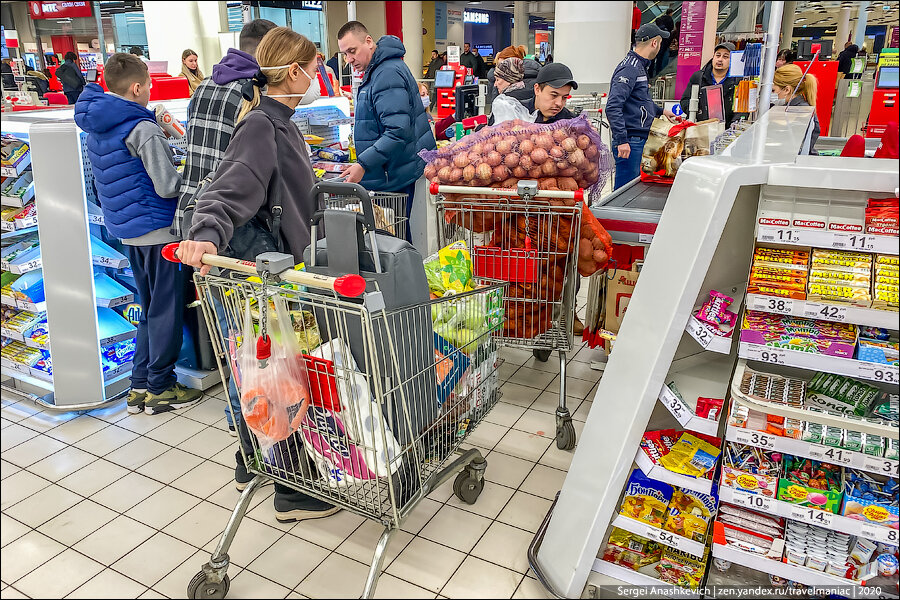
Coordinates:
<point>456,267</point>
<point>689,514</point>
<point>691,456</point>
<point>646,499</point>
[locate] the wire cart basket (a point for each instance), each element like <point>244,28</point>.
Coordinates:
<point>591,105</point>
<point>528,239</point>
<point>389,207</point>
<point>361,445</point>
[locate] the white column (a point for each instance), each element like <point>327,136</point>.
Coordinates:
<point>351,11</point>
<point>709,30</point>
<point>520,24</point>
<point>842,35</point>
<point>787,23</point>
<point>412,35</point>
<point>746,18</point>
<point>862,19</point>
<point>578,22</point>
<point>197,28</point>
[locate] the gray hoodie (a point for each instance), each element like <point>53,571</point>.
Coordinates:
<point>241,187</point>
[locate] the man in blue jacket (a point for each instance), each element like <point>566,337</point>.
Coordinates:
<point>629,108</point>
<point>391,123</point>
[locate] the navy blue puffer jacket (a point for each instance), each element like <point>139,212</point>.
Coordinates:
<point>131,206</point>
<point>391,123</point>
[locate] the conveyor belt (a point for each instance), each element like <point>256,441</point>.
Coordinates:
<point>631,213</point>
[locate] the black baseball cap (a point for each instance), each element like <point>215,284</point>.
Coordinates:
<point>650,31</point>
<point>556,75</point>
<point>727,45</point>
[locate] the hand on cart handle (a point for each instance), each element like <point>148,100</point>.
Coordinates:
<point>350,286</point>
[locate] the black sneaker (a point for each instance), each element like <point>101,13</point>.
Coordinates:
<point>299,507</point>
<point>242,477</point>
<point>136,401</point>
<point>174,398</point>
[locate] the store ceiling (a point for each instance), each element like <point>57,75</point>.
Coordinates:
<point>825,14</point>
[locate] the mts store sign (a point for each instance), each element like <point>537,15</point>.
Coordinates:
<point>58,10</point>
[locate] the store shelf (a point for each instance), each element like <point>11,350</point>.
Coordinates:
<point>821,362</point>
<point>812,516</point>
<point>837,456</point>
<point>113,327</point>
<point>110,293</point>
<point>660,473</point>
<point>12,335</point>
<point>7,226</point>
<point>18,232</point>
<point>783,410</point>
<point>18,168</point>
<point>658,534</point>
<point>104,255</point>
<point>832,240</point>
<point>19,200</point>
<point>29,261</point>
<point>838,313</point>
<point>641,577</point>
<point>38,307</point>
<point>684,414</point>
<point>708,340</point>
<point>41,382</point>
<point>8,301</point>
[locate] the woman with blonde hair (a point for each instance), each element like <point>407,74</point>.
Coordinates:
<point>190,69</point>
<point>793,88</point>
<point>264,179</point>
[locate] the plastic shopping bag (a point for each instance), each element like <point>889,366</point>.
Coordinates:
<point>275,391</point>
<point>507,108</point>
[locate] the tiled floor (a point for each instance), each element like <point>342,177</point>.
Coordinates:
<point>112,505</point>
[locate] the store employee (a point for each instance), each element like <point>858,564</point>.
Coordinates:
<point>630,109</point>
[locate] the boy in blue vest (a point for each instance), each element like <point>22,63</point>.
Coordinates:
<point>138,189</point>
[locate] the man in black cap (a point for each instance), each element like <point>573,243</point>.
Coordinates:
<point>629,107</point>
<point>552,87</point>
<point>715,72</point>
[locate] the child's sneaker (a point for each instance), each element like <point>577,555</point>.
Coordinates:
<point>136,401</point>
<point>174,398</point>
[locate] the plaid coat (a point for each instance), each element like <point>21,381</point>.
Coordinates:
<point>211,120</point>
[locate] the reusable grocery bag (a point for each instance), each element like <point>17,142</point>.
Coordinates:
<point>274,382</point>
<point>698,138</point>
<point>662,151</point>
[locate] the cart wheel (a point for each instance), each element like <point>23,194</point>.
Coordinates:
<point>201,587</point>
<point>467,488</point>
<point>541,355</point>
<point>565,435</point>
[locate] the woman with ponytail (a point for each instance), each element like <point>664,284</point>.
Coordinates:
<point>793,88</point>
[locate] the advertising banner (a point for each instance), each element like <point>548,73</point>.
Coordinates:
<point>690,43</point>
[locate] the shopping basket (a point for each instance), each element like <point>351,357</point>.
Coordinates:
<point>389,208</point>
<point>528,239</point>
<point>344,451</point>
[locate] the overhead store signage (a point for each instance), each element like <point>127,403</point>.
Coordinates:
<point>476,17</point>
<point>311,5</point>
<point>59,10</point>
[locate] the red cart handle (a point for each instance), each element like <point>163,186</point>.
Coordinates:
<point>436,188</point>
<point>350,286</point>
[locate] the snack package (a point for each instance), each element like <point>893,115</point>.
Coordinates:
<point>715,310</point>
<point>629,550</point>
<point>646,499</point>
<point>682,569</point>
<point>690,513</point>
<point>691,456</point>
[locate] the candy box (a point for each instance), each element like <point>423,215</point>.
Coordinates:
<point>749,482</point>
<point>861,505</point>
<point>795,487</point>
<point>690,513</point>
<point>630,550</point>
<point>681,568</point>
<point>646,499</point>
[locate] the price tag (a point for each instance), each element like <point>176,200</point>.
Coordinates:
<point>25,223</point>
<point>880,533</point>
<point>813,516</point>
<point>753,501</point>
<point>883,466</point>
<point>877,372</point>
<point>755,438</point>
<point>699,332</point>
<point>7,226</point>
<point>779,235</point>
<point>8,333</point>
<point>96,220</point>
<point>772,356</point>
<point>645,238</point>
<point>825,312</point>
<point>676,406</point>
<point>119,301</point>
<point>835,456</point>
<point>103,261</point>
<point>31,265</point>
<point>781,306</point>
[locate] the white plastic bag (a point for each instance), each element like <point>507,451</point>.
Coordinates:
<point>507,108</point>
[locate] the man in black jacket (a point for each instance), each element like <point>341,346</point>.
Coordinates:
<point>467,59</point>
<point>714,73</point>
<point>69,74</point>
<point>552,87</point>
<point>666,23</point>
<point>845,62</point>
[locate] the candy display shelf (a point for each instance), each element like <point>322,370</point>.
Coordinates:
<point>708,340</point>
<point>22,192</point>
<point>18,168</point>
<point>822,311</point>
<point>666,538</point>
<point>850,367</point>
<point>830,240</point>
<point>660,473</point>
<point>643,577</point>
<point>704,379</point>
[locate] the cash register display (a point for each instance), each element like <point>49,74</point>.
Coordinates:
<point>444,78</point>
<point>888,77</point>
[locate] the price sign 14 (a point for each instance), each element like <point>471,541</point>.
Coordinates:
<point>812,515</point>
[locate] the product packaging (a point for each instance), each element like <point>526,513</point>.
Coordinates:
<point>646,499</point>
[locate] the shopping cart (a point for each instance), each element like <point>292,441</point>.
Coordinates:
<point>529,239</point>
<point>591,105</point>
<point>389,207</point>
<point>346,451</point>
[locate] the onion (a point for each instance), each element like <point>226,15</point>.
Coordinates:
<point>557,152</point>
<point>560,134</point>
<point>500,173</point>
<point>511,160</point>
<point>569,172</point>
<point>525,162</point>
<point>548,169</point>
<point>469,173</point>
<point>430,171</point>
<point>476,148</point>
<point>484,172</point>
<point>591,152</point>
<point>543,140</point>
<point>456,175</point>
<point>493,158</point>
<point>526,146</point>
<point>461,160</point>
<point>577,158</point>
<point>539,156</point>
<point>535,173</point>
<point>444,174</point>
<point>583,141</point>
<point>569,144</point>
<point>505,145</point>
<point>520,172</point>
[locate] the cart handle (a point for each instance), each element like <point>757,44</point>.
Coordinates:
<point>437,188</point>
<point>350,286</point>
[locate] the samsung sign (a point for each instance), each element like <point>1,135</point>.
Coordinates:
<point>478,18</point>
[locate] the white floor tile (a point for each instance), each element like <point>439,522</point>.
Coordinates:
<point>174,585</point>
<point>544,481</point>
<point>520,395</point>
<point>507,370</point>
<point>170,465</point>
<point>504,414</point>
<point>30,452</point>
<point>11,592</point>
<point>43,505</point>
<point>506,546</point>
<point>63,463</point>
<point>176,431</point>
<point>361,543</point>
<point>578,388</point>
<point>154,559</point>
<point>27,553</point>
<point>11,530</point>
<point>7,469</point>
<point>523,445</point>
<point>109,584</point>
<point>127,492</point>
<point>556,458</point>
<point>336,577</point>
<point>209,443</point>
<point>250,585</point>
<point>225,456</point>
<point>506,470</point>
<point>583,370</point>
<point>547,402</point>
<point>76,523</point>
<point>19,411</point>
<point>153,594</point>
<point>205,479</point>
<point>477,578</point>
<point>19,486</point>
<point>251,540</point>
<point>426,564</point>
<point>329,532</point>
<point>59,576</point>
<point>525,511</point>
<point>208,412</point>
<point>288,561</point>
<point>456,528</point>
<point>113,413</point>
<point>486,435</point>
<point>394,587</point>
<point>142,423</point>
<point>583,409</point>
<point>490,502</point>
<point>199,525</point>
<point>533,378</point>
<point>420,515</point>
<point>516,356</point>
<point>550,366</point>
<point>163,507</point>
<point>93,478</point>
<point>531,588</point>
<point>137,453</point>
<point>106,440</point>
<point>45,421</point>
<point>537,422</point>
<point>114,540</point>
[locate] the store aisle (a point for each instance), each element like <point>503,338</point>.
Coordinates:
<point>114,505</point>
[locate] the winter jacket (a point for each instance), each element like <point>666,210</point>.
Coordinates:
<point>704,78</point>
<point>565,113</point>
<point>391,123</point>
<point>799,100</point>
<point>131,206</point>
<point>845,61</point>
<point>433,67</point>
<point>69,74</point>
<point>629,107</point>
<point>467,59</point>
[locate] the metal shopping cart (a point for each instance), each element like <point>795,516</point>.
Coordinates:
<point>389,208</point>
<point>591,105</point>
<point>529,239</point>
<point>349,449</point>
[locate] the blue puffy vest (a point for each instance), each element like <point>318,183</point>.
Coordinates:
<point>131,206</point>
